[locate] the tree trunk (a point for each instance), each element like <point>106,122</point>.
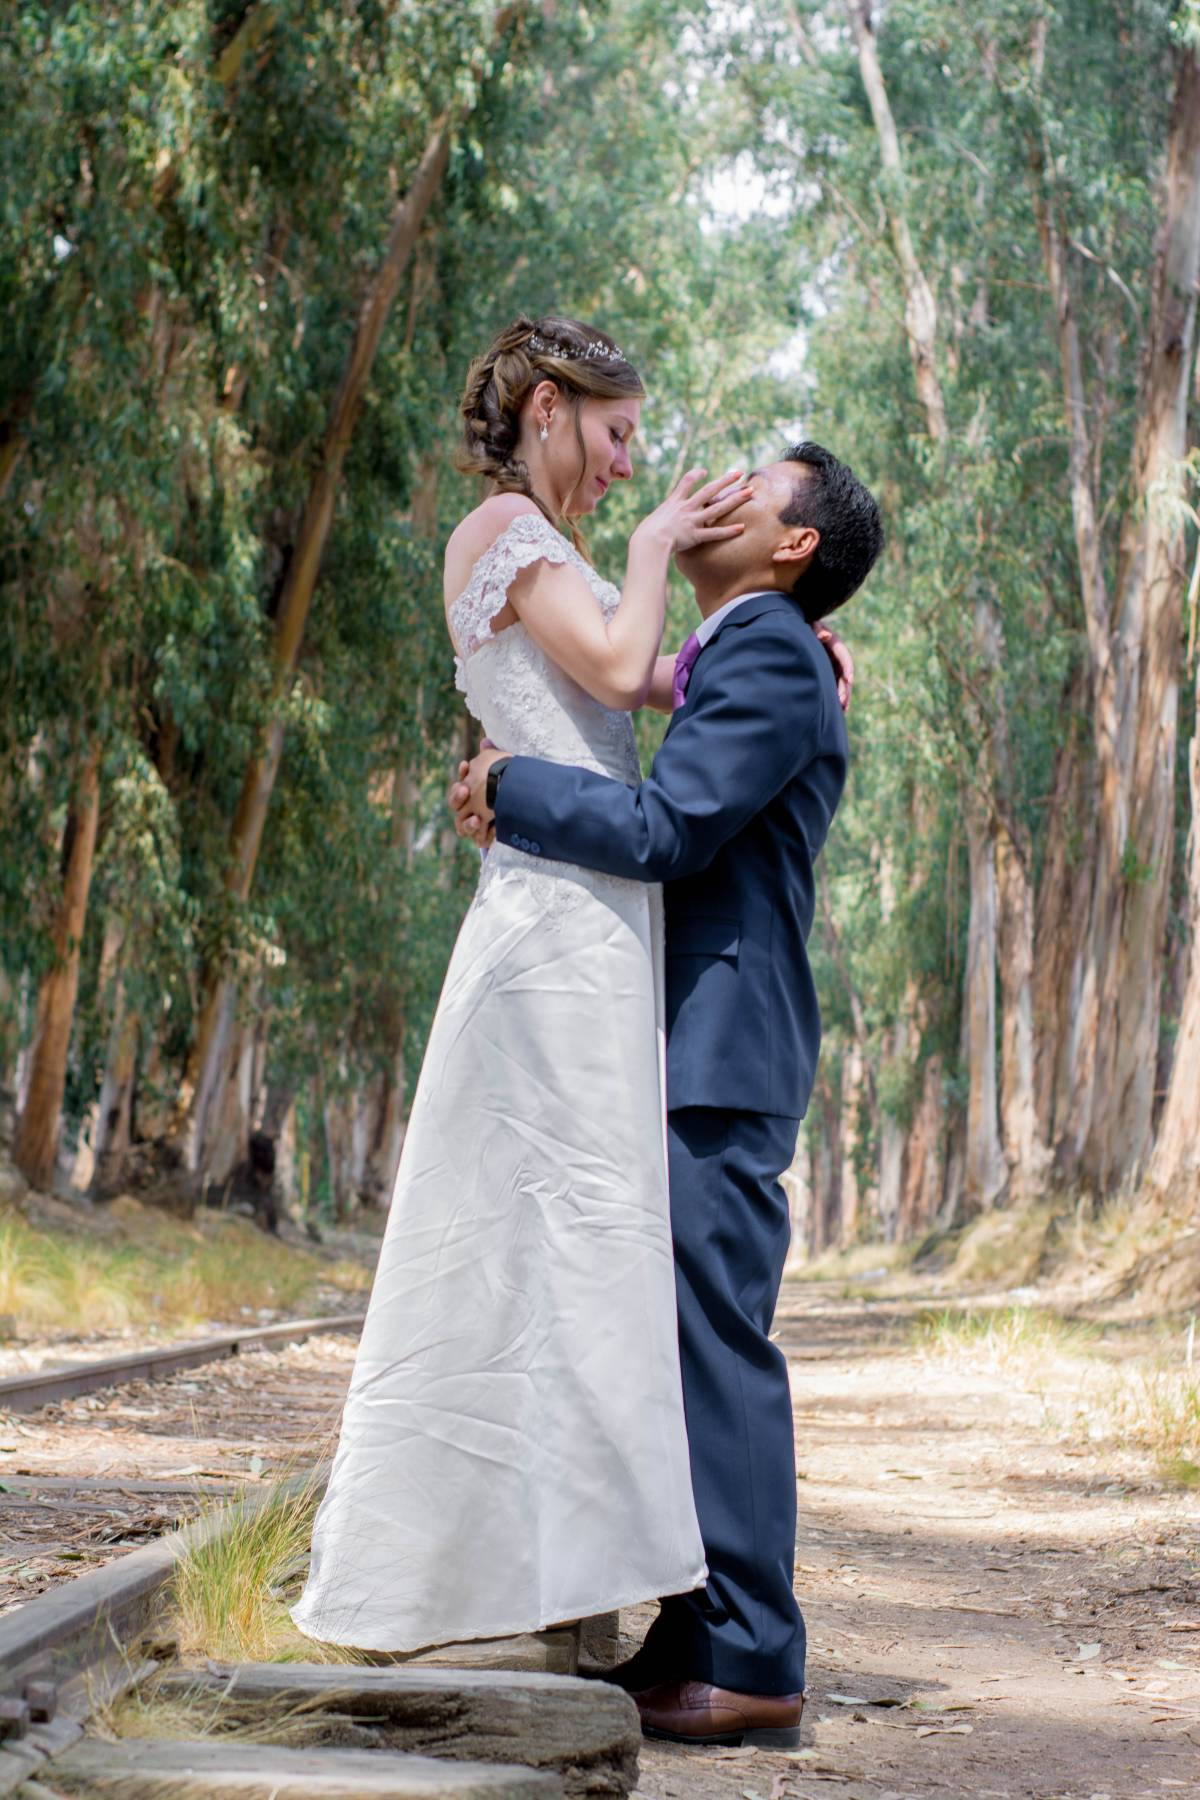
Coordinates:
<point>901,1047</point>
<point>1023,1145</point>
<point>1063,898</point>
<point>36,1146</point>
<point>924,1157</point>
<point>797,1185</point>
<point>1134,650</point>
<point>1012,857</point>
<point>920,311</point>
<point>227,1142</point>
<point>300,582</point>
<point>984,1172</point>
<point>893,1136</point>
<point>391,1115</point>
<point>854,1081</point>
<point>114,1126</point>
<point>1138,796</point>
<point>282,1132</point>
<point>338,1127</point>
<point>109,1115</point>
<point>826,1165</point>
<point>1175,1168</point>
<point>295,599</point>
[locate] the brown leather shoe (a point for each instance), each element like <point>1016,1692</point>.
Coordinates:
<point>694,1712</point>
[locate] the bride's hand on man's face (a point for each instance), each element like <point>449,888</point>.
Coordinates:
<point>688,518</point>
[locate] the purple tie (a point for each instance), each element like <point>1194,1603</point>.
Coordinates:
<point>684,664</point>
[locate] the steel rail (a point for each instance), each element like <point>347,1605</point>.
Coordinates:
<point>25,1393</point>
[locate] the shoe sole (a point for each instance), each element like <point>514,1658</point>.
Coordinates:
<point>761,1737</point>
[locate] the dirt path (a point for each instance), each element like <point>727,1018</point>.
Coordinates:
<point>1026,1603</point>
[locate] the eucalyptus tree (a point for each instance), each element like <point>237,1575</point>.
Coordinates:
<point>207,322</point>
<point>1129,527</point>
<point>107,394</point>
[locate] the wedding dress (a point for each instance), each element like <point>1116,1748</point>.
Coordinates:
<point>513,1451</point>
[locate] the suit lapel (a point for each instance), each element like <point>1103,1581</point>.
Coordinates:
<point>751,608</point>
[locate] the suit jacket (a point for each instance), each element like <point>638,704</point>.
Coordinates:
<point>730,819</point>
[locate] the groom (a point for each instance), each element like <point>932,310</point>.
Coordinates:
<point>730,819</point>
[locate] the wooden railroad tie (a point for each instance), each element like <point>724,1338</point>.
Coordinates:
<point>586,1733</point>
<point>166,1769</point>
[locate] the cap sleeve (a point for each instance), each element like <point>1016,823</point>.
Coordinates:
<point>530,538</point>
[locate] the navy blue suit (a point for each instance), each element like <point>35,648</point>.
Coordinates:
<point>730,820</point>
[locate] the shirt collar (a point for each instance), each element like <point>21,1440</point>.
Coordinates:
<point>707,627</point>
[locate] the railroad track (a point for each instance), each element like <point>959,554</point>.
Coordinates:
<point>25,1393</point>
<point>494,1727</point>
<point>99,1458</point>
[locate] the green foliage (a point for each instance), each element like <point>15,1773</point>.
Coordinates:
<point>184,247</point>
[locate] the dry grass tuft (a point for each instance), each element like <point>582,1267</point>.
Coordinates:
<point>1000,1336</point>
<point>145,1712</point>
<point>1156,1411</point>
<point>164,1274</point>
<point>231,1595</point>
<point>1149,1407</point>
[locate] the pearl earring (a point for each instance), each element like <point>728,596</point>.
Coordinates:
<point>544,433</point>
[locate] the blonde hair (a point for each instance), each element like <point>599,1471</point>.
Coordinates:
<point>581,361</point>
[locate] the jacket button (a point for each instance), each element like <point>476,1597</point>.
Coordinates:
<point>535,849</point>
<point>524,843</point>
<point>516,838</point>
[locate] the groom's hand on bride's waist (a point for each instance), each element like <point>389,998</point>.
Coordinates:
<point>474,817</point>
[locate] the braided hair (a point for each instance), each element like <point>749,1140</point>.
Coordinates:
<point>581,361</point>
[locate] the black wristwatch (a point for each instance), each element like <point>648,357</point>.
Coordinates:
<point>493,781</point>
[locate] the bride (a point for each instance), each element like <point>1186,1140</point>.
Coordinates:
<point>513,1451</point>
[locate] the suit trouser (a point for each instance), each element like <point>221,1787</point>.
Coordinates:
<point>729,1220</point>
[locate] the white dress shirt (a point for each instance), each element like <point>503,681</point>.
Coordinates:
<point>706,627</point>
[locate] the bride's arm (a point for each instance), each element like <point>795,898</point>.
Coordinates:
<point>614,659</point>
<point>662,686</point>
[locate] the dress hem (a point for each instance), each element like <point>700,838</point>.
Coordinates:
<point>453,1635</point>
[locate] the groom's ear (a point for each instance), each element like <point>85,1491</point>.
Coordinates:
<point>797,549</point>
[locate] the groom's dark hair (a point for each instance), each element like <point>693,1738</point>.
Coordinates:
<point>830,497</point>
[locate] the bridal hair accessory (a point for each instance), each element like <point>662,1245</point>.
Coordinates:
<point>593,352</point>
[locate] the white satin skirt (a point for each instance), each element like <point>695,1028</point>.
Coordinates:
<point>513,1451</point>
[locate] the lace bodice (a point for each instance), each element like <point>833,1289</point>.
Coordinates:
<point>523,700</point>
